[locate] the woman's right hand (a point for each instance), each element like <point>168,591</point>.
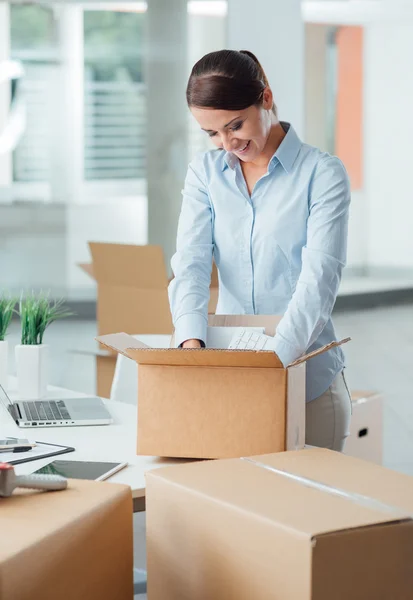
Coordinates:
<point>191,344</point>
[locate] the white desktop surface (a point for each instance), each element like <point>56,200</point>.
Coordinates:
<point>116,442</point>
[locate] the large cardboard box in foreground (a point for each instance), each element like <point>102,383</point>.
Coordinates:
<point>217,403</point>
<point>366,432</point>
<point>132,296</point>
<point>70,545</point>
<point>306,525</point>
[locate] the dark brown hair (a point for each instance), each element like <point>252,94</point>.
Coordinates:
<point>227,80</point>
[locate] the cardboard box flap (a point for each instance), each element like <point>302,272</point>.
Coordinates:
<point>87,268</point>
<point>201,357</point>
<point>268,322</point>
<point>306,507</point>
<point>134,266</point>
<point>120,342</point>
<point>321,350</point>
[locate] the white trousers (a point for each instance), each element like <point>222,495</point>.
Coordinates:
<point>327,419</point>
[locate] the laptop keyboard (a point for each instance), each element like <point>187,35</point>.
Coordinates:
<point>46,410</point>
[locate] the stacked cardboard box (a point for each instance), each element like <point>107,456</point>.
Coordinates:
<point>68,545</point>
<point>132,296</point>
<point>306,525</point>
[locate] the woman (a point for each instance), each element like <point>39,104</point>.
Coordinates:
<point>273,212</point>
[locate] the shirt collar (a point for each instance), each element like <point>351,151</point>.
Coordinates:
<point>285,154</point>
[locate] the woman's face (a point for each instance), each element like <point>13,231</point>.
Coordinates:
<point>242,132</point>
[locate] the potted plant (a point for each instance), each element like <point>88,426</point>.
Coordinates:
<point>7,304</point>
<point>36,312</point>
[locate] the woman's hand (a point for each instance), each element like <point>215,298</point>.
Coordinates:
<point>191,344</point>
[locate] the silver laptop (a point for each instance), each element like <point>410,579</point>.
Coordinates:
<point>59,412</point>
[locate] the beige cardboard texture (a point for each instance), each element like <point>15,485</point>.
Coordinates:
<point>314,524</point>
<point>68,545</point>
<point>132,288</point>
<point>132,294</point>
<point>196,414</point>
<point>128,265</point>
<point>213,290</point>
<point>214,403</point>
<point>209,403</point>
<point>295,417</point>
<point>366,429</point>
<point>87,268</point>
<point>105,372</point>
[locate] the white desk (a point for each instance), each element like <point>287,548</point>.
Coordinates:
<point>116,442</point>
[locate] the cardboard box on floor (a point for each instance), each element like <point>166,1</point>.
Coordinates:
<point>132,295</point>
<point>366,432</point>
<point>306,525</point>
<point>67,545</point>
<point>215,403</point>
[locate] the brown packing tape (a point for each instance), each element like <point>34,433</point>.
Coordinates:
<point>321,350</point>
<point>359,499</point>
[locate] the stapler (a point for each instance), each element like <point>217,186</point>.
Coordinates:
<point>9,481</point>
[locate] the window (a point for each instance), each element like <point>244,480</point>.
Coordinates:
<point>114,120</point>
<point>33,43</point>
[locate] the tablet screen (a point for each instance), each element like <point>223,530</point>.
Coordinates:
<point>76,469</point>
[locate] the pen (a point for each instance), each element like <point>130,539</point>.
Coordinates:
<point>16,449</point>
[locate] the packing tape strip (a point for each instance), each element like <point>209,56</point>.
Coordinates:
<point>359,499</point>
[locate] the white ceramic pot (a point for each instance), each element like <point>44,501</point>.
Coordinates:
<point>32,366</point>
<point>4,363</point>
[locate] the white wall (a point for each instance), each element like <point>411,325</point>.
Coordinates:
<point>166,74</point>
<point>119,220</point>
<point>315,85</point>
<point>274,31</point>
<point>388,143</point>
<point>206,33</point>
<point>358,231</point>
<point>33,247</point>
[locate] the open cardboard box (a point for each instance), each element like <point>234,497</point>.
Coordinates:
<point>132,295</point>
<point>308,525</point>
<point>217,403</point>
<point>366,430</point>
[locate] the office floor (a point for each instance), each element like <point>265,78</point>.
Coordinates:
<point>380,357</point>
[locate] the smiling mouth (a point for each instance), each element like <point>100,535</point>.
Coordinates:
<point>245,148</point>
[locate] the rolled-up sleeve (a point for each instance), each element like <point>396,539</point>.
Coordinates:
<point>323,259</point>
<point>192,262</point>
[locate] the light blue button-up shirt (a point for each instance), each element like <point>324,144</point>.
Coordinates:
<point>280,251</point>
